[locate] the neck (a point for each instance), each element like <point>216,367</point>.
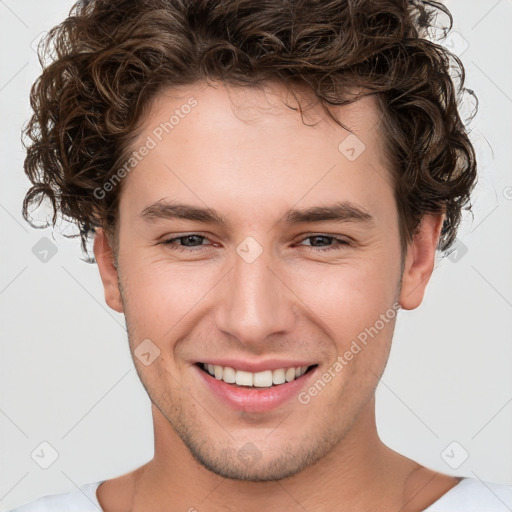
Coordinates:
<point>360,472</point>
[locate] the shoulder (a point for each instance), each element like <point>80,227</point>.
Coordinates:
<point>475,495</point>
<point>82,499</point>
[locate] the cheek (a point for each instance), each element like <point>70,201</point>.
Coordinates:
<point>349,295</point>
<point>357,305</point>
<point>157,294</point>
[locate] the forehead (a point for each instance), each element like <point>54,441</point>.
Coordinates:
<point>221,143</point>
<point>219,107</point>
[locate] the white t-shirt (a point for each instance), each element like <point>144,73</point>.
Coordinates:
<point>469,495</point>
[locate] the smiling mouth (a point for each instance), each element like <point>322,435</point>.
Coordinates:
<point>264,379</point>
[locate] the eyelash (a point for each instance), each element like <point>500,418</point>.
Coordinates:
<point>180,248</point>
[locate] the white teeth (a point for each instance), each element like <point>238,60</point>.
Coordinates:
<point>218,372</point>
<point>264,379</point>
<point>228,375</point>
<point>278,376</point>
<point>290,374</point>
<point>244,378</point>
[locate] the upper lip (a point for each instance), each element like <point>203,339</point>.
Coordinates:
<point>257,366</point>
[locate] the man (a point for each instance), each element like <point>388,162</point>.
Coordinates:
<point>264,183</point>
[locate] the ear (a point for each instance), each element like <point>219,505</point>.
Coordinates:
<point>104,255</point>
<point>419,261</point>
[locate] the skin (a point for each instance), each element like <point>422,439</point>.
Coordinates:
<point>242,152</point>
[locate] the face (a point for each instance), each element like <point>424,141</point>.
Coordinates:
<point>256,244</point>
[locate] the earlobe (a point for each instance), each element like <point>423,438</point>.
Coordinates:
<point>104,256</point>
<point>419,261</point>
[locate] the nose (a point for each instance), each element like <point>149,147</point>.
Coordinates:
<point>255,302</point>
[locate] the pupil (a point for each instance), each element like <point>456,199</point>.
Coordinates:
<point>192,237</point>
<point>319,237</point>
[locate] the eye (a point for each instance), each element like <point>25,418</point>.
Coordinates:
<point>319,238</point>
<point>191,242</point>
<point>194,242</point>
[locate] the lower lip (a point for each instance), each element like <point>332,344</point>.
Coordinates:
<point>255,399</point>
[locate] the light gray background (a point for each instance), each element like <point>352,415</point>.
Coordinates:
<point>67,377</point>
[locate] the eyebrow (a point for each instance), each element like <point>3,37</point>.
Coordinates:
<point>343,211</point>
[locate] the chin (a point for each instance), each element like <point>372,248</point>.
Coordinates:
<point>258,461</point>
<point>228,464</point>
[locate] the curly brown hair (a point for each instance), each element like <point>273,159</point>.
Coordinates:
<point>110,58</point>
